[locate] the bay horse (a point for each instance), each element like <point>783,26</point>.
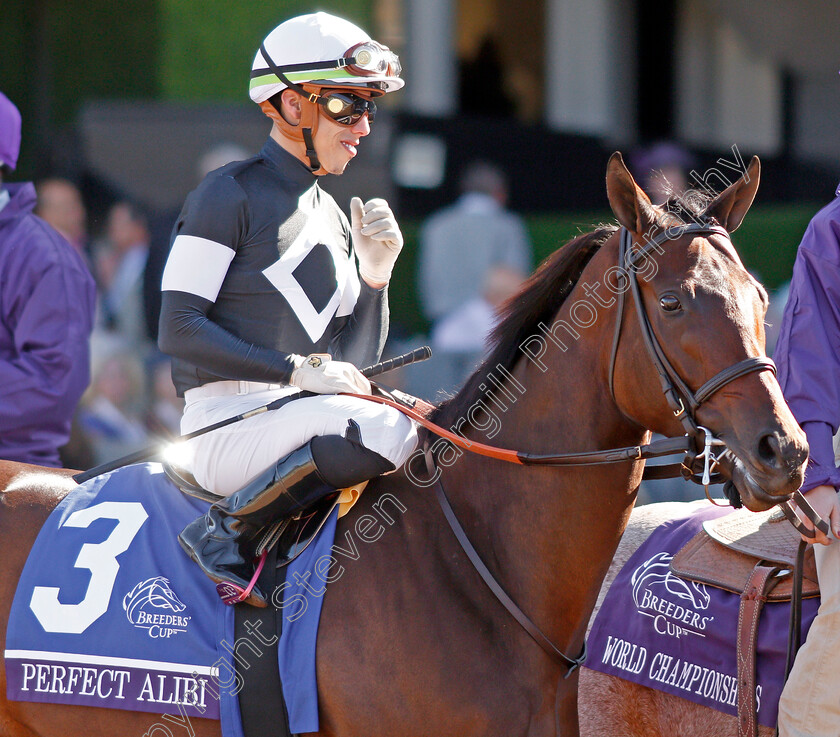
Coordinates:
<point>608,705</point>
<point>412,641</point>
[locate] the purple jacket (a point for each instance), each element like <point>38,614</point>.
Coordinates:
<point>808,350</point>
<point>47,298</point>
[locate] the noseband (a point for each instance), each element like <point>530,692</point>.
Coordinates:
<point>681,399</point>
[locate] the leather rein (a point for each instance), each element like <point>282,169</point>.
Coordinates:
<point>682,401</point>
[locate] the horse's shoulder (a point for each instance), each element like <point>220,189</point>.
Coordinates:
<point>22,485</point>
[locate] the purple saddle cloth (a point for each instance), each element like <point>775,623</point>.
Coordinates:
<point>680,637</point>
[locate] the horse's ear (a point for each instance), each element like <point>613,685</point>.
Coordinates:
<point>630,205</point>
<point>731,205</point>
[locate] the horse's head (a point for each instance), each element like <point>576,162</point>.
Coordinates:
<point>705,315</point>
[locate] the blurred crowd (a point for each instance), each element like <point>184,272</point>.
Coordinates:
<point>127,404</point>
<point>131,401</point>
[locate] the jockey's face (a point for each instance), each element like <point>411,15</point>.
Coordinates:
<point>336,144</point>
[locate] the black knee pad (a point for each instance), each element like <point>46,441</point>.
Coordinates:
<point>343,462</point>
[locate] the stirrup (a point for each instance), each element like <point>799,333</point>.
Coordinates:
<point>231,594</point>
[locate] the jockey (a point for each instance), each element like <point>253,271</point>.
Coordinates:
<point>262,299</point>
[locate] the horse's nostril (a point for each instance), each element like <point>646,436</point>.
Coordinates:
<point>769,450</point>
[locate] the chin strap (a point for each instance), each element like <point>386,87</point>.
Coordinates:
<point>296,134</point>
<point>311,98</point>
<point>314,164</point>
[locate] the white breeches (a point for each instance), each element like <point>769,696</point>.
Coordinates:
<point>224,460</point>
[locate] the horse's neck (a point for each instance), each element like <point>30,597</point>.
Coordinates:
<point>549,533</point>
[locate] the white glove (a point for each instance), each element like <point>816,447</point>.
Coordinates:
<point>320,374</point>
<point>376,238</point>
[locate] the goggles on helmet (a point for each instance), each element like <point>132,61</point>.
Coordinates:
<point>366,59</point>
<point>372,58</point>
<point>346,108</point>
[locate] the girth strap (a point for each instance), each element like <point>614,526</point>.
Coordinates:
<point>761,581</point>
<point>261,703</point>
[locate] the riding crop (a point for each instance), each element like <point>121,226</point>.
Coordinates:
<point>418,354</point>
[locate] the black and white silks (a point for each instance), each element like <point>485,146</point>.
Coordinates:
<point>262,267</point>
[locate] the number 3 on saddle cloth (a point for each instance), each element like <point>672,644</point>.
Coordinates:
<point>681,636</point>
<point>110,612</point>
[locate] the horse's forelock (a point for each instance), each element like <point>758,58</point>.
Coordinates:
<point>690,206</point>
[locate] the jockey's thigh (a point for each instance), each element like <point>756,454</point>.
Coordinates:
<point>810,702</point>
<point>224,460</point>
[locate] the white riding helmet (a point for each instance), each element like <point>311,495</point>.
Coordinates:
<point>309,53</point>
<point>322,50</point>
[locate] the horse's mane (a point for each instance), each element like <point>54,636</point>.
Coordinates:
<point>541,297</point>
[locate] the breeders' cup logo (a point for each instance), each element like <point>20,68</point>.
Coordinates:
<point>674,605</point>
<point>152,605</point>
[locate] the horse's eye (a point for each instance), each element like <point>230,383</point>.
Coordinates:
<point>670,303</point>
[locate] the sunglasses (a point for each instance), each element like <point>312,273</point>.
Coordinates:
<point>346,108</point>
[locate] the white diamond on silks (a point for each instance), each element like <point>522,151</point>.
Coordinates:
<point>281,274</point>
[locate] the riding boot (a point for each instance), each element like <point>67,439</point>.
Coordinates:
<point>222,542</point>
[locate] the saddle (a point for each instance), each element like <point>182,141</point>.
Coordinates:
<point>760,557</point>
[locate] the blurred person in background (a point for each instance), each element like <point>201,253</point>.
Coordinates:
<point>164,406</point>
<point>662,169</point>
<point>110,413</point>
<point>459,340</point>
<point>460,244</point>
<point>47,300</point>
<point>120,263</point>
<point>773,318</point>
<point>262,299</point>
<point>60,204</point>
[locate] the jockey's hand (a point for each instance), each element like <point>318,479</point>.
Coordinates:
<point>320,374</point>
<point>826,504</point>
<point>376,238</point>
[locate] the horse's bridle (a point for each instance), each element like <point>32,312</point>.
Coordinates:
<point>681,399</point>
<point>698,442</point>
